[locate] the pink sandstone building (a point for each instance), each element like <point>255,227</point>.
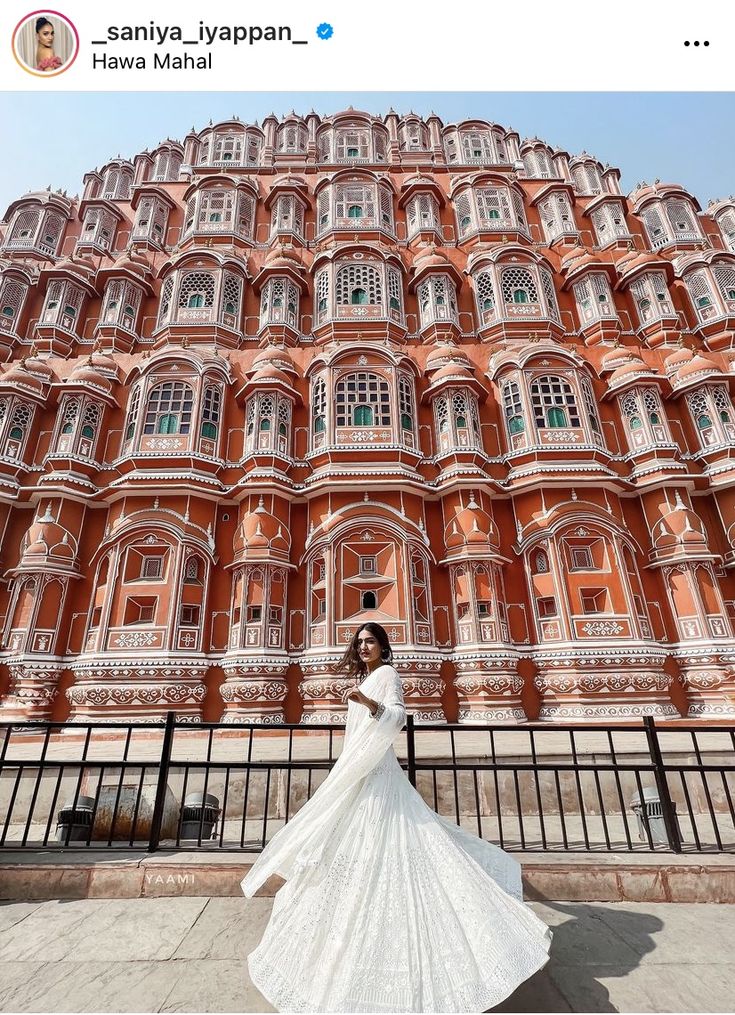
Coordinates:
<point>269,382</point>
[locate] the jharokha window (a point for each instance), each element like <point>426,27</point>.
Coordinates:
<point>169,409</point>
<point>556,402</point>
<point>363,399</point>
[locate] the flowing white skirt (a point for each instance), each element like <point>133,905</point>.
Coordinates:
<point>404,912</point>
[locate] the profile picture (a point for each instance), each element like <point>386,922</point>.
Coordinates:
<point>45,43</point>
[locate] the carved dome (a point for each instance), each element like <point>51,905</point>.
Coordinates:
<point>48,544</point>
<point>262,535</point>
<point>471,527</point>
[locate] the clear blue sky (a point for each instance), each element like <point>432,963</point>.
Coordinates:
<point>684,137</point>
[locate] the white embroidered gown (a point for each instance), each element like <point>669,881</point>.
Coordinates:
<point>388,906</point>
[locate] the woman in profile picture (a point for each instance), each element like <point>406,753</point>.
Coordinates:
<point>389,907</point>
<point>46,59</point>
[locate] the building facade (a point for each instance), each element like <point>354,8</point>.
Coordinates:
<point>272,381</point>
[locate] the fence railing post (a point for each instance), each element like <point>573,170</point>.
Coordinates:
<point>157,819</point>
<point>411,750</point>
<point>659,771</point>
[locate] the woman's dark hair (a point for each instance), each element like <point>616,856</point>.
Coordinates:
<point>40,22</point>
<point>351,661</point>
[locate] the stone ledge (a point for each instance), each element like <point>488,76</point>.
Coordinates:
<point>557,877</point>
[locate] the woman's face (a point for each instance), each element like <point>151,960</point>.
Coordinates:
<point>46,36</point>
<point>368,647</point>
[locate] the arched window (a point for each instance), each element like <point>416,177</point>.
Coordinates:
<point>71,412</point>
<point>362,391</point>
<point>369,601</point>
<point>405,402</point>
<point>518,286</point>
<point>319,406</point>
<point>211,412</point>
<point>554,404</point>
<point>169,409</point>
<point>197,289</point>
<point>193,571</point>
<point>363,279</point>
<point>513,407</point>
<point>132,413</point>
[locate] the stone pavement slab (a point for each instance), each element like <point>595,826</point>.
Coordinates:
<point>183,954</point>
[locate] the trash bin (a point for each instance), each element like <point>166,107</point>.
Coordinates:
<point>74,823</point>
<point>191,815</point>
<point>650,814</point>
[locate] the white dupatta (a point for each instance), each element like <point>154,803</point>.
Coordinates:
<point>301,840</point>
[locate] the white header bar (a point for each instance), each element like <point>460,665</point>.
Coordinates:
<point>625,45</point>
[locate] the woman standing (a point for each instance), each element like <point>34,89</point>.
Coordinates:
<point>389,907</point>
<point>46,59</point>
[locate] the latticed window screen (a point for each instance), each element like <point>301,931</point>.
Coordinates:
<point>485,292</point>
<point>211,412</point>
<point>69,419</point>
<point>711,409</point>
<point>192,570</point>
<point>20,421</point>
<point>319,405</point>
<point>362,391</point>
<point>726,222</point>
<point>90,420</point>
<point>245,215</point>
<point>494,206</point>
<point>324,146</point>
<point>291,139</point>
<point>513,406</point>
<point>216,206</point>
<point>231,291</point>
<point>723,405</point>
<point>520,211</point>
<point>725,280</point>
<point>700,289</point>
<point>358,283</point>
<point>591,407</point>
<point>25,224</point>
<point>353,144</point>
<point>518,285</point>
<point>227,148</point>
<point>422,212</point>
<point>395,289</point>
<point>354,201</point>
<point>405,402</point>
<point>681,217</point>
<point>441,413</point>
<point>284,417</point>
<point>655,226</point>
<point>167,166</point>
<point>537,164</point>
<point>169,408</point>
<point>609,223</point>
<point>321,289</point>
<point>463,207</point>
<point>549,292</point>
<point>386,207</point>
<point>197,289</point>
<point>132,413</point>
<point>554,403</point>
<point>166,294</point>
<point>12,297</point>
<point>477,146</point>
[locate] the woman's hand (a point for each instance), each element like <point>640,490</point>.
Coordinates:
<point>355,694</point>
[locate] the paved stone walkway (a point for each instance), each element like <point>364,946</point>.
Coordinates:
<point>188,955</point>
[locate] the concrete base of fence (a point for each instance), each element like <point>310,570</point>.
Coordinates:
<point>557,877</point>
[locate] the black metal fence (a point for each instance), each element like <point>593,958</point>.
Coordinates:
<point>638,787</point>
